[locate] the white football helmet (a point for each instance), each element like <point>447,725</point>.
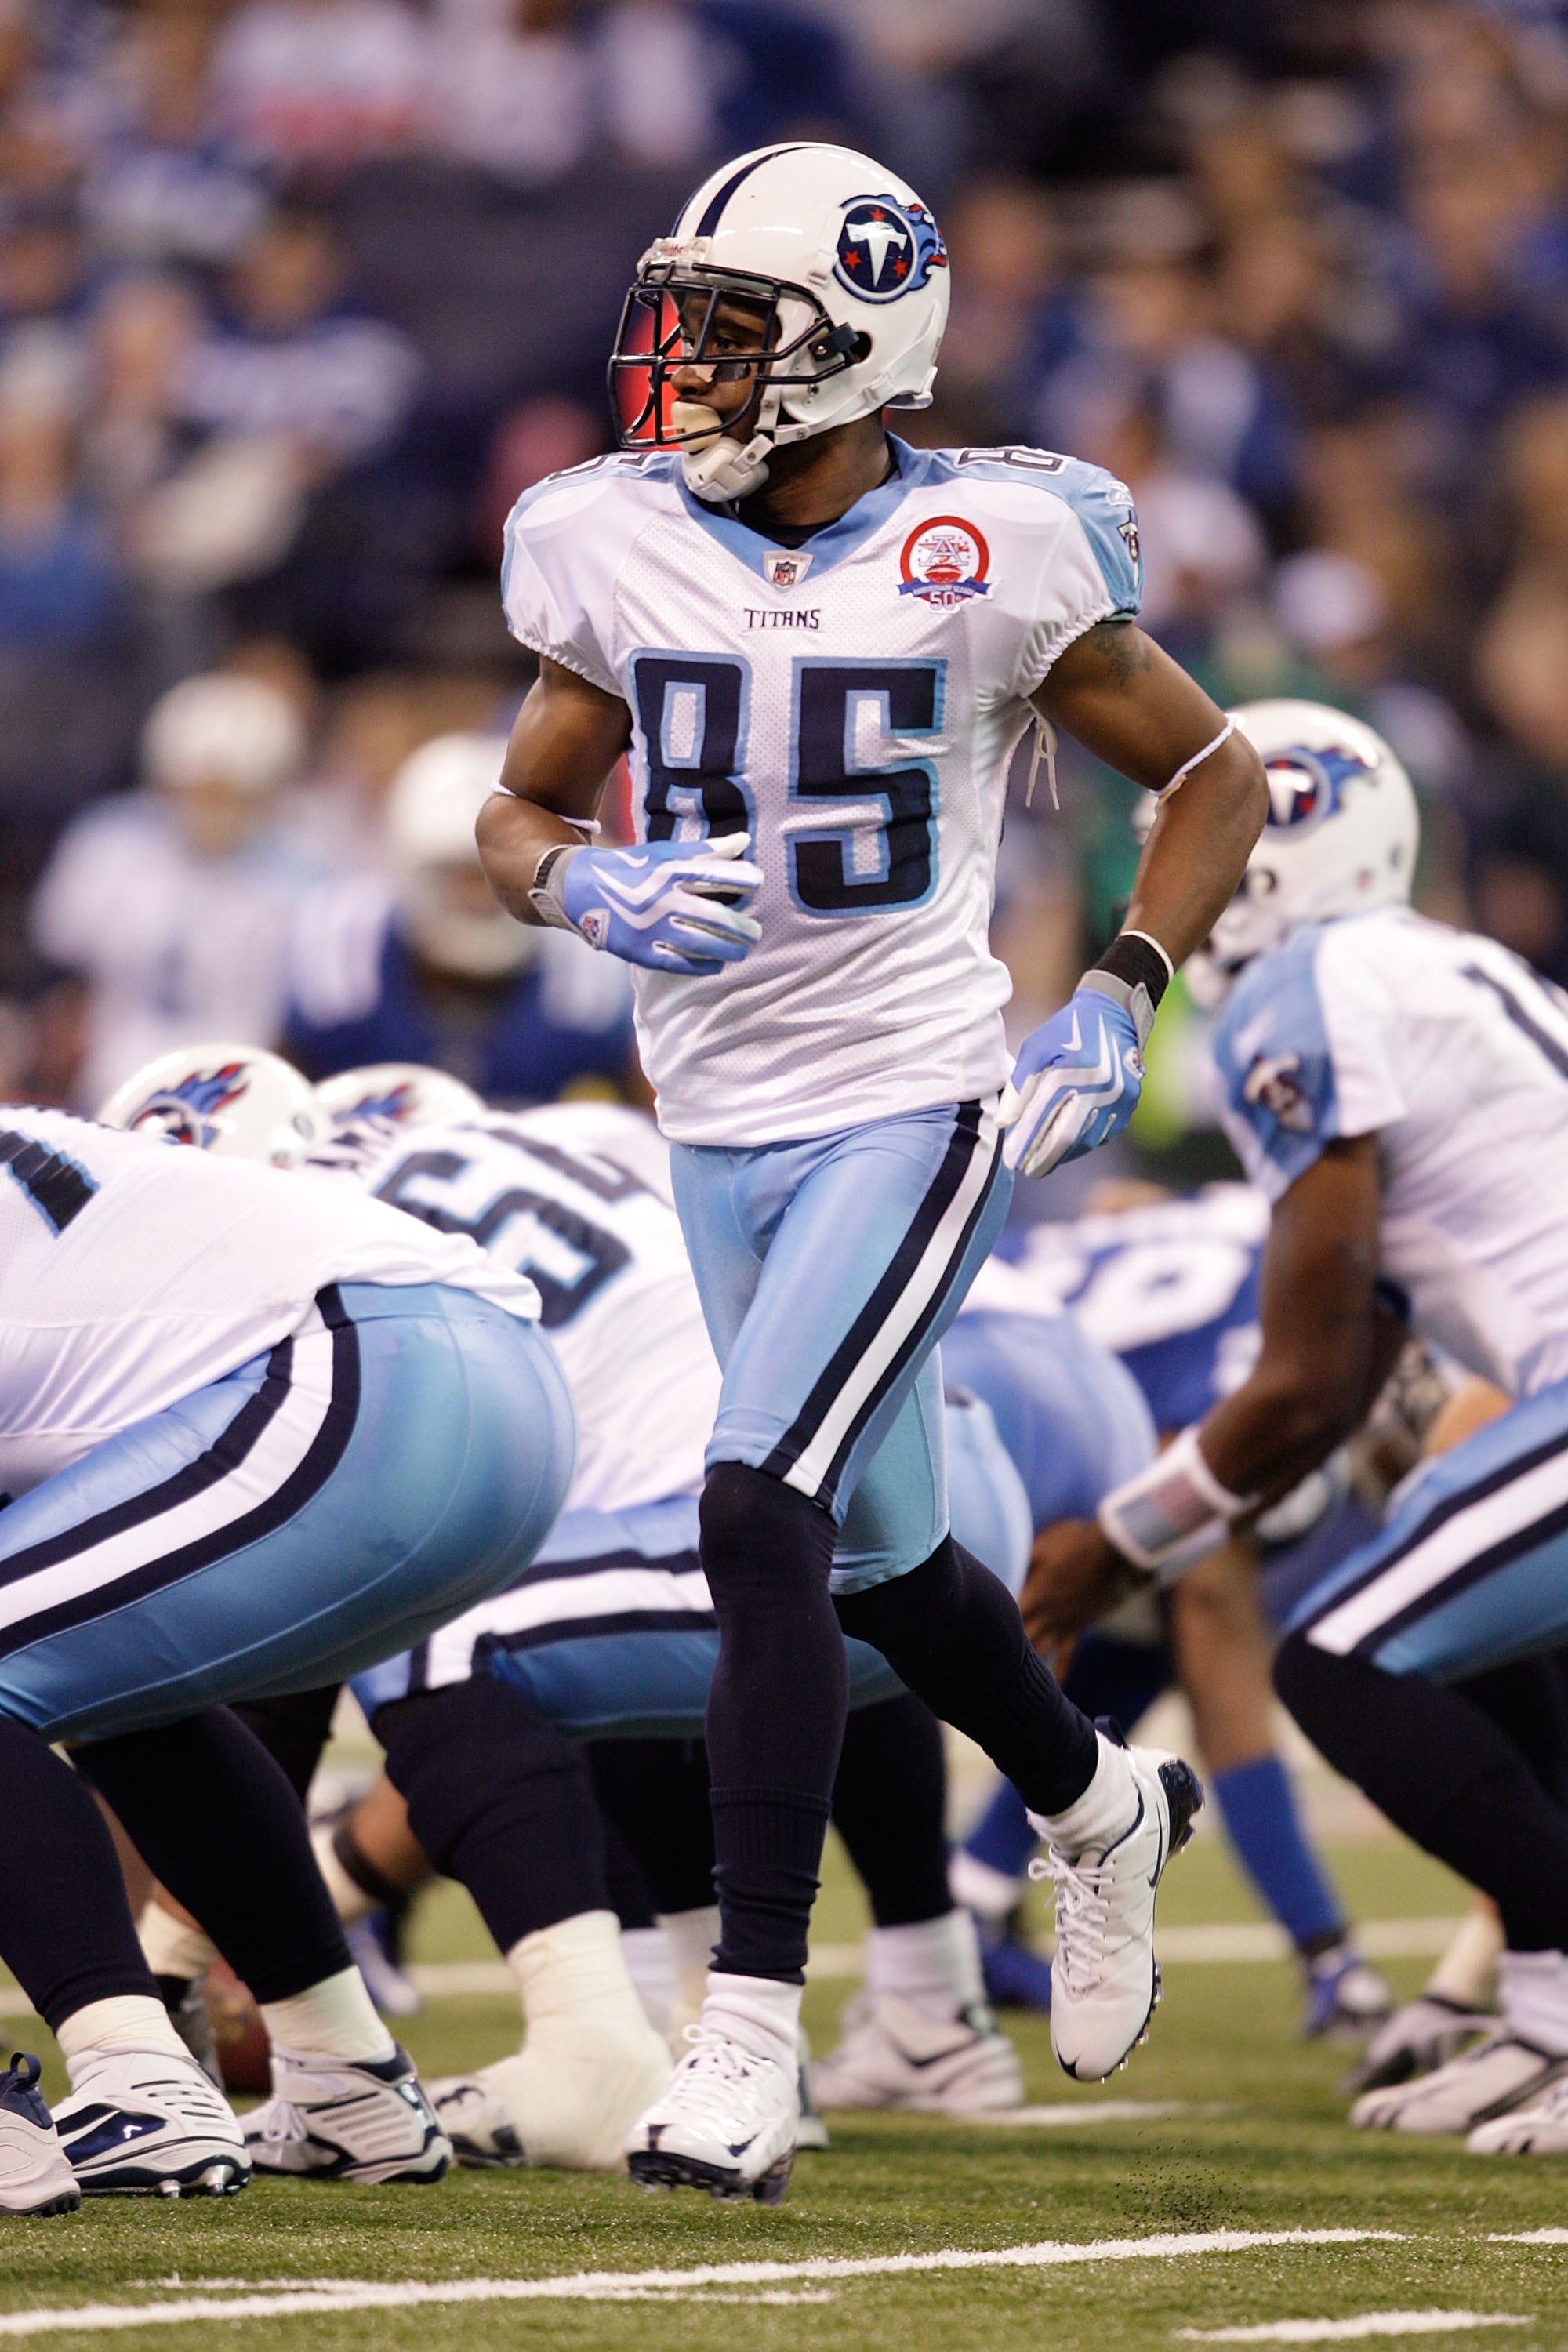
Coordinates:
<point>363,1111</point>
<point>238,1102</point>
<point>846,274</point>
<point>445,911</point>
<point>221,729</point>
<point>1340,837</point>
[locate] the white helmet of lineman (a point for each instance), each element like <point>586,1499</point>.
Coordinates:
<point>237,1102</point>
<point>445,911</point>
<point>1340,837</point>
<point>226,730</point>
<point>846,274</point>
<point>362,1112</point>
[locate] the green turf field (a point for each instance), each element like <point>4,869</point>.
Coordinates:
<point>1257,2146</point>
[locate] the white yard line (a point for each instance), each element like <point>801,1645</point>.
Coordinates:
<point>603,2287</point>
<point>1345,2331</point>
<point>1057,2113</point>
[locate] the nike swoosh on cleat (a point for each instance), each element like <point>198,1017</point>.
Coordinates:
<point>741,2148</point>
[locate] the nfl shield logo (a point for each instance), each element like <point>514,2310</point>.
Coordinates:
<point>785,567</point>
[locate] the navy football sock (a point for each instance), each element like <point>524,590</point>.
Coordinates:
<point>213,1817</point>
<point>889,1807</point>
<point>776,1707</point>
<point>952,1631</point>
<point>66,1930</point>
<point>1259,1809</point>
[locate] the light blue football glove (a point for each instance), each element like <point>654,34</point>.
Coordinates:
<point>1074,1086</point>
<point>672,906</point>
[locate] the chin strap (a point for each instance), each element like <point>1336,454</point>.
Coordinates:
<point>720,468</point>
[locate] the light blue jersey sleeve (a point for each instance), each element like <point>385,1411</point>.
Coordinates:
<point>1279,1091</point>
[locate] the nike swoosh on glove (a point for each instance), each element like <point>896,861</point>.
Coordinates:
<point>671,905</point>
<point>1074,1086</point>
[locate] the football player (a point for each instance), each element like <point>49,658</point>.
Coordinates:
<point>609,1635</point>
<point>1169,1286</point>
<point>821,648</point>
<point>1400,1091</point>
<point>257,1432</point>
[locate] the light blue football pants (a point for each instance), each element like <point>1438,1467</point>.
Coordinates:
<point>1470,1569</point>
<point>828,1270</point>
<point>400,1455</point>
<point>610,1630</point>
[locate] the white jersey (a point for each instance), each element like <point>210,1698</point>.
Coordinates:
<point>576,1197</point>
<point>1455,1054</point>
<point>854,705</point>
<point>133,1272</point>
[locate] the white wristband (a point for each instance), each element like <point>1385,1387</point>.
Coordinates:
<point>1172,1514</point>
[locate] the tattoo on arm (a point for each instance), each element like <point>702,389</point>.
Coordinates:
<point>1122,646</point>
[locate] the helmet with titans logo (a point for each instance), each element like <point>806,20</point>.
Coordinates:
<point>842,271</point>
<point>1340,837</point>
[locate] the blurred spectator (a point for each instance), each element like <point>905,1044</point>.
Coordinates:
<point>293,361</point>
<point>169,907</point>
<point>512,87</point>
<point>304,85</point>
<point>163,185</point>
<point>58,588</point>
<point>424,967</point>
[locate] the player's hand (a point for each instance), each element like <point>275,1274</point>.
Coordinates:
<point>1074,1576</point>
<point>672,906</point>
<point>1074,1086</point>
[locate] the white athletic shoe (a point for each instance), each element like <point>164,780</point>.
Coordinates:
<point>347,2119</point>
<point>726,2123</point>
<point>810,2131</point>
<point>1500,2073</point>
<point>1104,1982</point>
<point>141,2121</point>
<point>1420,2036</point>
<point>36,2176</point>
<point>568,2097</point>
<point>891,2054</point>
<point>1539,2128</point>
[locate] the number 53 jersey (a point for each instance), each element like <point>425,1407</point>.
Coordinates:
<point>1455,1054</point>
<point>854,705</point>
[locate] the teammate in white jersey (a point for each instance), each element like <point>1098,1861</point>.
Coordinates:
<point>1400,1091</point>
<point>821,648</point>
<point>254,1432</point>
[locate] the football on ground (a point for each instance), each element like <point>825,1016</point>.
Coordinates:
<point>1212,2193</point>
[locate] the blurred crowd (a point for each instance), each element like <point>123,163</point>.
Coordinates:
<point>296,296</point>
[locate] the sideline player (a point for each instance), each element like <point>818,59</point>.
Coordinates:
<point>259,1431</point>
<point>824,646</point>
<point>1169,1286</point>
<point>1400,1089</point>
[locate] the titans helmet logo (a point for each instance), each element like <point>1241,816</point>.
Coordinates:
<point>395,1106</point>
<point>186,1113</point>
<point>1305,787</point>
<point>885,247</point>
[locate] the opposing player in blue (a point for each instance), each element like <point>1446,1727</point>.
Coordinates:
<point>1400,1091</point>
<point>821,648</point>
<point>259,1432</point>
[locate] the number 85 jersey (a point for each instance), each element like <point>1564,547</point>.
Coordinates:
<point>854,705</point>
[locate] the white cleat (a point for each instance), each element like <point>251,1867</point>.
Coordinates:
<point>810,2131</point>
<point>36,2176</point>
<point>892,2054</point>
<point>726,2123</point>
<point>1540,2128</point>
<point>141,2121</point>
<point>568,2098</point>
<point>1422,2035</point>
<point>1104,1982</point>
<point>347,2119</point>
<point>1500,2073</point>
